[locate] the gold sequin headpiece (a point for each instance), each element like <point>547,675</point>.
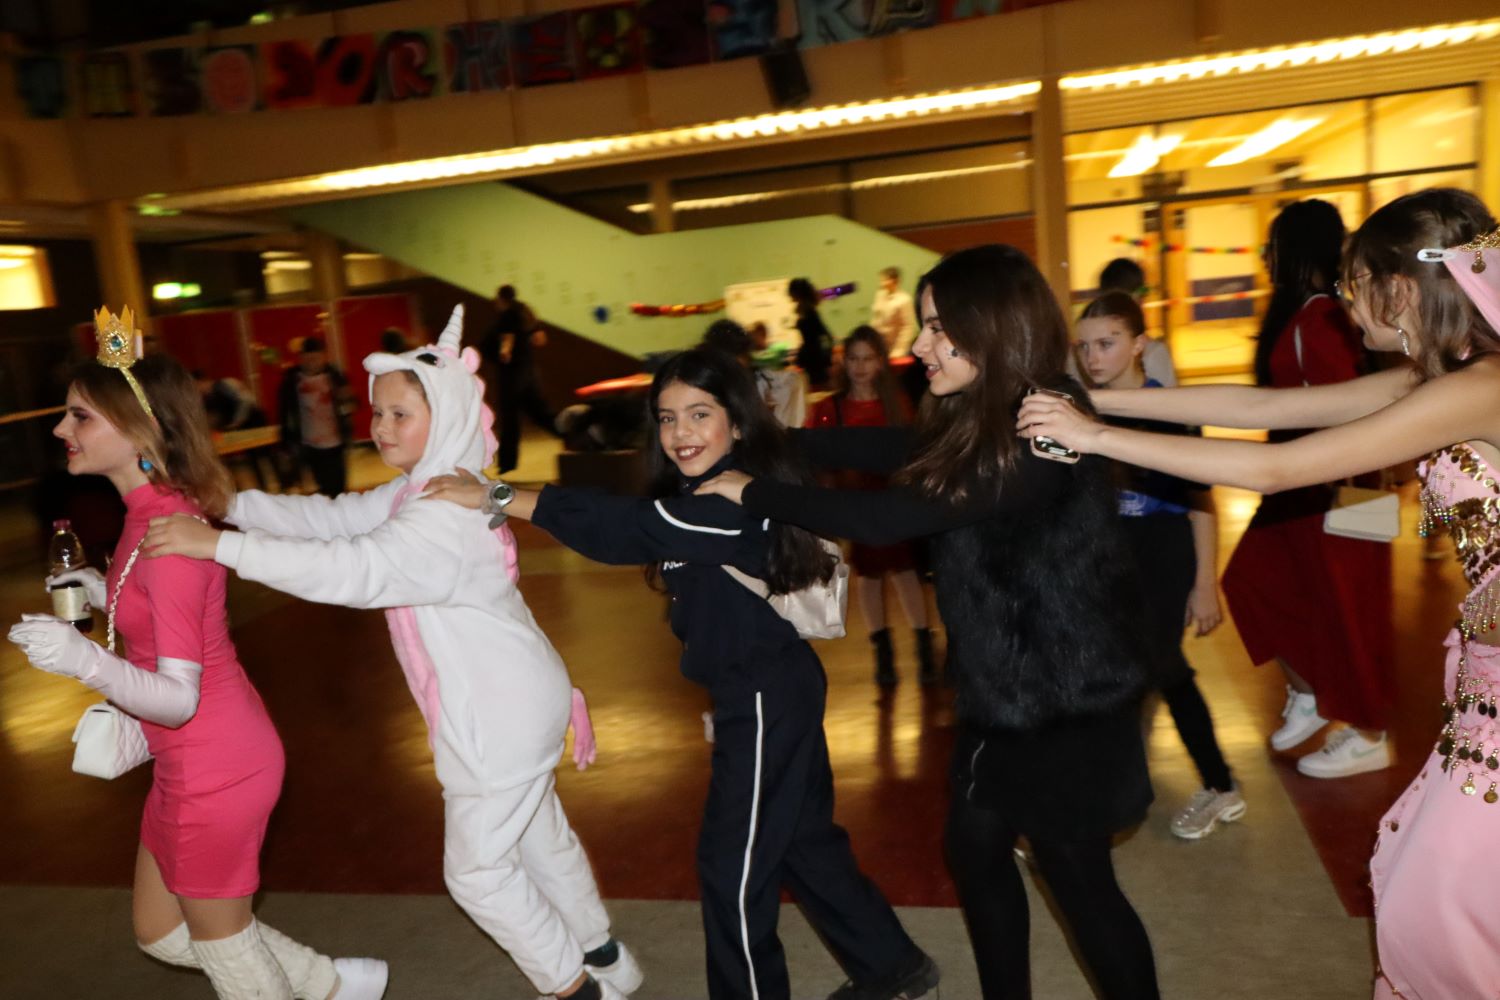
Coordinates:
<point>117,339</point>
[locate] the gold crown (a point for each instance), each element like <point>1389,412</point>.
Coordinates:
<point>1489,241</point>
<point>116,336</point>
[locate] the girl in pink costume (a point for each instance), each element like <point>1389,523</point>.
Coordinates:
<point>218,759</point>
<point>493,691</point>
<point>1423,278</point>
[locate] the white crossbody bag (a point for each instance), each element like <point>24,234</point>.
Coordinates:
<point>817,612</point>
<point>109,742</point>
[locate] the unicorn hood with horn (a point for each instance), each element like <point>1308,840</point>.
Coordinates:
<point>460,435</point>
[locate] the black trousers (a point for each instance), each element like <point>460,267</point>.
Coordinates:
<point>1167,564</point>
<point>328,469</point>
<point>768,823</point>
<point>519,394</point>
<point>1080,875</point>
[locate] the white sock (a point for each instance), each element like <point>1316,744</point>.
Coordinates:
<point>174,949</point>
<point>242,967</point>
<point>311,974</point>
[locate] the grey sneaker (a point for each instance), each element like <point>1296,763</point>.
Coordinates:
<point>1205,810</point>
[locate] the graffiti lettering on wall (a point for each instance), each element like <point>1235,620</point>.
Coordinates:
<point>626,36</point>
<point>476,57</point>
<point>542,49</point>
<point>408,66</point>
<point>674,33</point>
<point>41,87</point>
<point>333,73</point>
<point>609,41</point>
<point>228,80</point>
<point>171,84</point>
<point>741,27</point>
<point>108,88</point>
<point>962,10</point>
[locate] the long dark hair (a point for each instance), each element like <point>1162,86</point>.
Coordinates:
<point>1302,256</point>
<point>796,560</point>
<point>886,389</point>
<point>1453,331</point>
<point>998,310</point>
<point>177,442</point>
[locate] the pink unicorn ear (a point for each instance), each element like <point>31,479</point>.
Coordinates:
<point>470,358</point>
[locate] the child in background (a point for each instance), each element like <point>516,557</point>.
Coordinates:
<point>867,396</point>
<point>494,693</point>
<point>1172,529</point>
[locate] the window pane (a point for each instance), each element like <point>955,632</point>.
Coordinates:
<point>1390,188</point>
<point>1265,148</point>
<point>1089,157</point>
<point>947,186</point>
<point>1428,129</point>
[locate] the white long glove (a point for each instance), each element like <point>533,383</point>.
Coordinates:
<point>93,585</point>
<point>168,697</point>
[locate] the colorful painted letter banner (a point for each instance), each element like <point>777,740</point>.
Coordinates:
<point>412,64</point>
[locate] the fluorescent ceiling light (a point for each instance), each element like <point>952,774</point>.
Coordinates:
<point>868,184</point>
<point>1288,56</point>
<point>1278,133</point>
<point>1145,153</point>
<point>6,263</point>
<point>16,250</point>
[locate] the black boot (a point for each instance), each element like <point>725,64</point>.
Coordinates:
<point>885,658</point>
<point>925,659</point>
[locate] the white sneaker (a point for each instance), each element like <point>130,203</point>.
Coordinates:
<point>1347,752</point>
<point>361,978</point>
<point>1205,810</point>
<point>1302,720</point>
<point>624,973</point>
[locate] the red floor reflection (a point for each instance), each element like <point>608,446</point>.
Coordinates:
<point>361,811</point>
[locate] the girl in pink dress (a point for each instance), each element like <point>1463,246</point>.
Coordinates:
<point>219,761</point>
<point>1423,278</point>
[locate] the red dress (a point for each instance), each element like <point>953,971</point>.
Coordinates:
<point>841,411</point>
<point>216,777</point>
<point>1319,601</point>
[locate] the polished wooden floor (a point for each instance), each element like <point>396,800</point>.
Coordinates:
<point>361,810</point>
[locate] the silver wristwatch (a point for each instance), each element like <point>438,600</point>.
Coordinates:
<point>496,498</point>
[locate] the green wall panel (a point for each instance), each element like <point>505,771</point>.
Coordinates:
<point>567,265</point>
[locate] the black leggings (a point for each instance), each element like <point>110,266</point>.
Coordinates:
<point>1108,933</point>
<point>1163,546</point>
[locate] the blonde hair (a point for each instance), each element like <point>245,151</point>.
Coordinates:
<point>177,442</point>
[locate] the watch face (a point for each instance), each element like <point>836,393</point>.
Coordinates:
<point>502,493</point>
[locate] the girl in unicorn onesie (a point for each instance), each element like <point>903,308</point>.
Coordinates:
<point>494,693</point>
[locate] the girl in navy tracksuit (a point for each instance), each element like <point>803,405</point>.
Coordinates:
<point>768,821</point>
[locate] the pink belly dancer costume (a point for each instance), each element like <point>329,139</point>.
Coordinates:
<point>219,775</point>
<point>1437,889</point>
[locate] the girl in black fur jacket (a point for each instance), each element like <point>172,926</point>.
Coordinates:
<point>1033,584</point>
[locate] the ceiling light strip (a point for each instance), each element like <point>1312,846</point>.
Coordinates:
<point>1287,57</point>
<point>868,184</point>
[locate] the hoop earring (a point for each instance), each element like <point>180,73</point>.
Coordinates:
<point>144,463</point>
<point>1405,341</point>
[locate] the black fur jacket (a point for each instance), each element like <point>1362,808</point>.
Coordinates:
<point>1040,608</point>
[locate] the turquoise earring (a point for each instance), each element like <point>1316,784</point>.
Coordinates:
<point>145,464</point>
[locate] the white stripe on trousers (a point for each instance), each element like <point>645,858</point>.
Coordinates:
<point>760,731</point>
